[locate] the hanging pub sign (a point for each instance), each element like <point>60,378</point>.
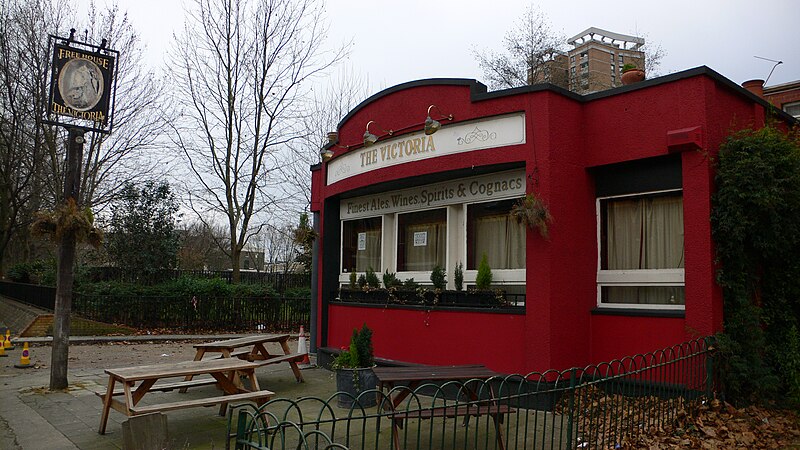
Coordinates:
<point>82,84</point>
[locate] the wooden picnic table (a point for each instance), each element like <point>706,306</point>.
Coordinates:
<point>389,377</point>
<point>225,374</point>
<point>254,350</point>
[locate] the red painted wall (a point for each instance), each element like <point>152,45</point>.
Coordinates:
<point>434,337</point>
<point>566,136</point>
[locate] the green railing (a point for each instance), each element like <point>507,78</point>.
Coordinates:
<point>607,405</point>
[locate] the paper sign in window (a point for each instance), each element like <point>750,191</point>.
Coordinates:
<point>420,239</point>
<point>362,241</point>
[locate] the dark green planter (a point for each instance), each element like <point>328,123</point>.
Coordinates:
<point>354,382</point>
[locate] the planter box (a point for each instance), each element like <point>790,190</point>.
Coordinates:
<point>427,298</point>
<point>355,382</point>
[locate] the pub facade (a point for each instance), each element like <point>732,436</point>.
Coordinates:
<point>431,174</point>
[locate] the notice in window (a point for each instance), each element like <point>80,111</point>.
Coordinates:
<point>362,241</point>
<point>420,239</point>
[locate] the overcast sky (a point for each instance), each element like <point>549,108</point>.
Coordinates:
<point>393,44</point>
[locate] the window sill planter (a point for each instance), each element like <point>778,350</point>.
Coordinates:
<point>364,296</point>
<point>495,298</point>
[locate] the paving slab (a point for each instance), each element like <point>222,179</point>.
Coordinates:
<point>33,418</point>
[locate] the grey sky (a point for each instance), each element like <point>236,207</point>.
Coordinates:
<point>398,41</point>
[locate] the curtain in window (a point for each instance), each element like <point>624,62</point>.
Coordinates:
<point>502,239</point>
<point>644,295</point>
<point>645,233</point>
<point>370,257</point>
<point>432,253</point>
<point>360,255</point>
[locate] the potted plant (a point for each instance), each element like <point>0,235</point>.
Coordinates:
<point>532,211</point>
<point>455,297</point>
<point>353,367</point>
<point>631,74</point>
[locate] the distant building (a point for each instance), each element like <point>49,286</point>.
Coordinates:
<point>597,58</point>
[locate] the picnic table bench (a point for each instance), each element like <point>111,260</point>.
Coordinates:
<point>389,377</point>
<point>225,375</point>
<point>252,348</point>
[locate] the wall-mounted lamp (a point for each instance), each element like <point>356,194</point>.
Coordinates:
<point>370,138</point>
<point>431,125</point>
<point>326,154</point>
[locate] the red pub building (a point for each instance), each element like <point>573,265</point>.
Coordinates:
<point>626,174</point>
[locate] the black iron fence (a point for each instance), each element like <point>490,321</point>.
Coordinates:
<point>33,294</point>
<point>604,406</point>
<point>280,281</point>
<point>195,313</point>
<point>273,313</point>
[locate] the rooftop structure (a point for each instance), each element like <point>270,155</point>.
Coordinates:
<point>607,37</point>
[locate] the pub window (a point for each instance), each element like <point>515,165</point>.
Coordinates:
<point>361,245</point>
<point>641,250</point>
<point>492,231</point>
<point>421,240</point>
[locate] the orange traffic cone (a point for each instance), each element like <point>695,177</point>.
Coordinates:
<point>25,359</point>
<point>2,346</point>
<point>7,344</point>
<point>302,349</point>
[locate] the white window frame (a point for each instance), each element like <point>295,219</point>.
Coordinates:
<point>344,277</point>
<point>422,277</point>
<point>500,277</point>
<point>642,277</point>
<point>787,106</point>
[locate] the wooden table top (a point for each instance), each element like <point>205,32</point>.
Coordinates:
<point>418,373</point>
<point>180,369</point>
<point>243,341</point>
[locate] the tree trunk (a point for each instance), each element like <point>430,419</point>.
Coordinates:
<point>236,275</point>
<point>66,264</point>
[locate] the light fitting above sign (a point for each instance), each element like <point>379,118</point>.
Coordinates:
<point>465,137</point>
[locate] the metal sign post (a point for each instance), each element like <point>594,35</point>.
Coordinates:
<point>82,95</point>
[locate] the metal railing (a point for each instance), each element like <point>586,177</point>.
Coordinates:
<point>196,313</point>
<point>280,281</point>
<point>175,312</point>
<point>607,405</point>
<point>33,294</point>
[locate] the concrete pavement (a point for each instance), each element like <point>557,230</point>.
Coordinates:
<point>33,418</point>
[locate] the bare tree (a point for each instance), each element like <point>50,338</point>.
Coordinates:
<point>32,155</point>
<point>127,155</point>
<point>327,107</point>
<point>241,70</point>
<point>24,141</point>
<point>653,54</point>
<point>279,248</point>
<point>529,47</point>
<point>140,116</point>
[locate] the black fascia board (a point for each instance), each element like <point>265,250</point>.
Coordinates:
<point>479,91</point>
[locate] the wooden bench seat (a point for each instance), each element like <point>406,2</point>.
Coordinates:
<point>208,401</point>
<point>241,354</point>
<point>166,387</point>
<point>292,357</point>
<point>454,411</point>
<point>247,355</point>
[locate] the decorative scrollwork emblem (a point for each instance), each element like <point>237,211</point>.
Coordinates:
<point>477,135</point>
